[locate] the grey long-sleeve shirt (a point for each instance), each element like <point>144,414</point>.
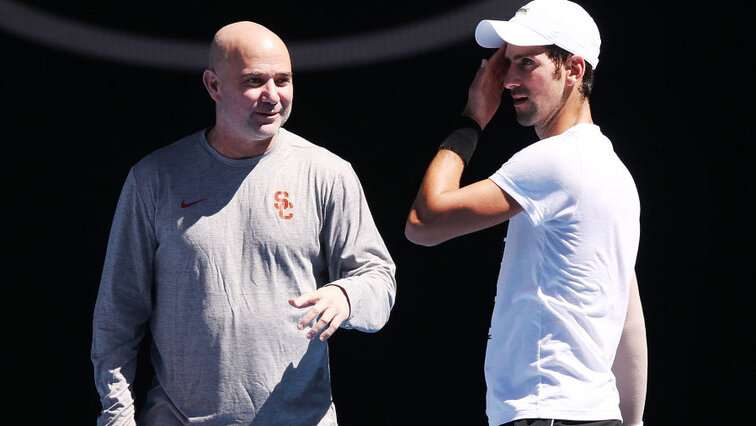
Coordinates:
<point>206,251</point>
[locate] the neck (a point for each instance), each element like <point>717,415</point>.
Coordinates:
<point>233,146</point>
<point>577,110</point>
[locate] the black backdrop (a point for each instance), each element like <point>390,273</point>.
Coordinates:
<point>666,93</point>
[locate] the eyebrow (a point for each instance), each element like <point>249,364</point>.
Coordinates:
<point>262,74</point>
<point>530,53</point>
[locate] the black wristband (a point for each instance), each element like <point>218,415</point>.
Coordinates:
<point>465,121</point>
<point>464,138</point>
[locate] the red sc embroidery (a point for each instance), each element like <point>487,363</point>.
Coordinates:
<point>282,204</point>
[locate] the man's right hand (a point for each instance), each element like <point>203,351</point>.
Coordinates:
<point>484,94</point>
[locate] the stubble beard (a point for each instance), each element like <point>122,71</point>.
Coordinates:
<point>527,118</point>
<point>262,131</point>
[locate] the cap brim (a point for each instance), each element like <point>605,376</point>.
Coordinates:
<point>493,34</point>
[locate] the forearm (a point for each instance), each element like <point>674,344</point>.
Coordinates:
<point>371,298</point>
<point>427,217</point>
<point>442,176</point>
<point>445,171</point>
<point>116,338</point>
<point>116,394</point>
<point>359,261</point>
<point>631,361</point>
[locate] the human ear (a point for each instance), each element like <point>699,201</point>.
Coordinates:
<point>210,79</point>
<point>575,67</point>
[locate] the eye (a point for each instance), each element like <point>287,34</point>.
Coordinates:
<point>526,64</point>
<point>284,81</point>
<point>255,81</point>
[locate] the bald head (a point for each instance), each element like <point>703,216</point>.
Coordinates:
<point>249,77</point>
<point>247,39</point>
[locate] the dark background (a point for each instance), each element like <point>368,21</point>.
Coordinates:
<point>671,93</point>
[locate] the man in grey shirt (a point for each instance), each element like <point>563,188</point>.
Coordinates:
<point>243,248</point>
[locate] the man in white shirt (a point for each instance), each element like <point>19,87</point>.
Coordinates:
<point>567,339</point>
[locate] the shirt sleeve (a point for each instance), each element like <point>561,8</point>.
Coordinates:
<point>358,259</point>
<point>544,178</point>
<point>123,305</point>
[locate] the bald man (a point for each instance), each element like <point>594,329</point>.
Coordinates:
<point>242,248</point>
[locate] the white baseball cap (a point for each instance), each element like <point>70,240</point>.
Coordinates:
<point>543,23</point>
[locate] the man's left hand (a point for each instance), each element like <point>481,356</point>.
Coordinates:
<point>329,303</point>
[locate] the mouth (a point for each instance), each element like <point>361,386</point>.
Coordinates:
<point>267,115</point>
<point>518,100</point>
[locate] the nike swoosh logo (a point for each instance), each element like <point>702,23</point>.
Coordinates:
<point>185,205</point>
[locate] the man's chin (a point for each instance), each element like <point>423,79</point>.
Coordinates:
<point>525,120</point>
<point>264,129</point>
<point>267,129</point>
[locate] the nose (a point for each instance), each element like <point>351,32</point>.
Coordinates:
<point>510,80</point>
<point>269,92</point>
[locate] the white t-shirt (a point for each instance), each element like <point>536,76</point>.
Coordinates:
<point>562,291</point>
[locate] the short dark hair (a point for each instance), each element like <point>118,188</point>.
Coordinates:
<point>560,56</point>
